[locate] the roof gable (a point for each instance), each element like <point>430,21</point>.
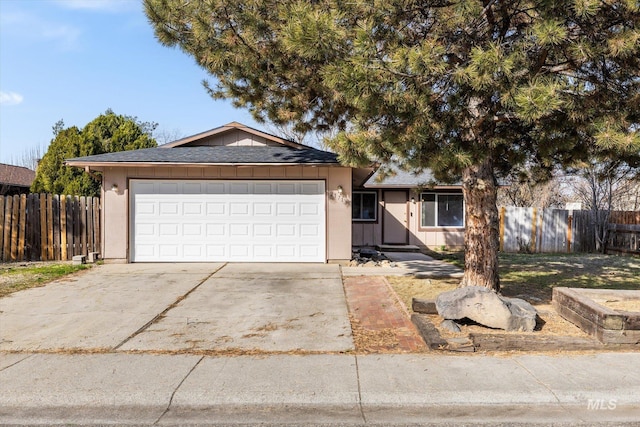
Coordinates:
<point>233,134</point>
<point>232,144</point>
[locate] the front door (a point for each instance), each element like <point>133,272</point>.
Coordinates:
<point>394,218</point>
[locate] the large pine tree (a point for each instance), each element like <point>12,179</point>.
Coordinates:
<point>471,89</point>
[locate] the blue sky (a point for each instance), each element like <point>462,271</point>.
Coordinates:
<point>73,59</point>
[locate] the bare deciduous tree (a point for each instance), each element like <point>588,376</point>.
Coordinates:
<point>30,157</point>
<point>606,186</point>
<point>164,136</point>
<point>529,193</point>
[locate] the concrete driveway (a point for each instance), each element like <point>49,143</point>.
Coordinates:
<point>182,307</point>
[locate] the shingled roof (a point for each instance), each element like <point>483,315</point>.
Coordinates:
<point>212,155</point>
<point>197,150</point>
<point>399,178</point>
<point>16,176</point>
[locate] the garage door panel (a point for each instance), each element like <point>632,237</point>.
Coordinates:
<point>146,208</point>
<point>309,230</point>
<point>286,188</point>
<point>143,229</point>
<point>239,188</point>
<point>263,252</point>
<point>168,230</point>
<point>148,251</point>
<point>194,230</point>
<point>262,208</point>
<point>216,251</point>
<point>263,230</point>
<point>309,251</point>
<point>216,208</point>
<point>216,230</point>
<point>263,188</point>
<point>168,208</point>
<point>312,188</point>
<point>239,208</point>
<point>239,251</point>
<point>228,221</point>
<point>193,251</point>
<point>286,209</point>
<point>215,188</point>
<point>167,188</point>
<point>168,251</point>
<point>192,188</point>
<point>192,208</point>
<point>309,209</point>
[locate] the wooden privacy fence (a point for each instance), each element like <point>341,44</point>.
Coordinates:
<point>46,227</point>
<point>624,233</point>
<point>559,230</point>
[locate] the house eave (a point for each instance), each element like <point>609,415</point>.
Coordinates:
<point>165,164</point>
<point>407,187</point>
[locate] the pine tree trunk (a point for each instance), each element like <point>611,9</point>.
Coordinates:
<point>481,238</point>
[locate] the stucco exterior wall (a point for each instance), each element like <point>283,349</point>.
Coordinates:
<point>370,233</point>
<point>115,212</point>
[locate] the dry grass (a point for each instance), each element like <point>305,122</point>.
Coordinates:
<point>535,275</point>
<point>407,287</point>
<point>16,277</point>
<point>532,278</point>
<point>372,341</point>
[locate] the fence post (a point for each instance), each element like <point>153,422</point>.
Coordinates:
<point>2,219</point>
<point>97,231</point>
<point>569,232</point>
<point>15,216</point>
<point>43,227</point>
<point>23,226</point>
<point>503,210</point>
<point>83,226</point>
<point>534,221</point>
<point>63,227</point>
<point>8,208</point>
<point>50,241</point>
<point>69,215</point>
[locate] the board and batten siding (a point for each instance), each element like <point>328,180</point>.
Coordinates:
<point>370,233</point>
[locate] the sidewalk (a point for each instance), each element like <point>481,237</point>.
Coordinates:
<point>334,389</point>
<point>407,264</point>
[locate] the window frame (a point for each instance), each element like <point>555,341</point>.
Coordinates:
<point>375,204</point>
<point>437,204</point>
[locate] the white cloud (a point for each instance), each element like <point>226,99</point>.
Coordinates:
<point>66,36</point>
<point>33,28</point>
<point>100,5</point>
<point>10,98</point>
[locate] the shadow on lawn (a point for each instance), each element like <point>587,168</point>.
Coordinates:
<point>536,275</point>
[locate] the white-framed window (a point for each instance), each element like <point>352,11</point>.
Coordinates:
<point>364,206</point>
<point>441,210</point>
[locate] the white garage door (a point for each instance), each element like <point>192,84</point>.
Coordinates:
<point>245,221</point>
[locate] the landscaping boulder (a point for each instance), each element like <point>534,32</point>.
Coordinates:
<point>486,307</point>
<point>368,253</point>
<point>450,326</point>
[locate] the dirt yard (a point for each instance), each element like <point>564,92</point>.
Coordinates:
<point>532,278</point>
